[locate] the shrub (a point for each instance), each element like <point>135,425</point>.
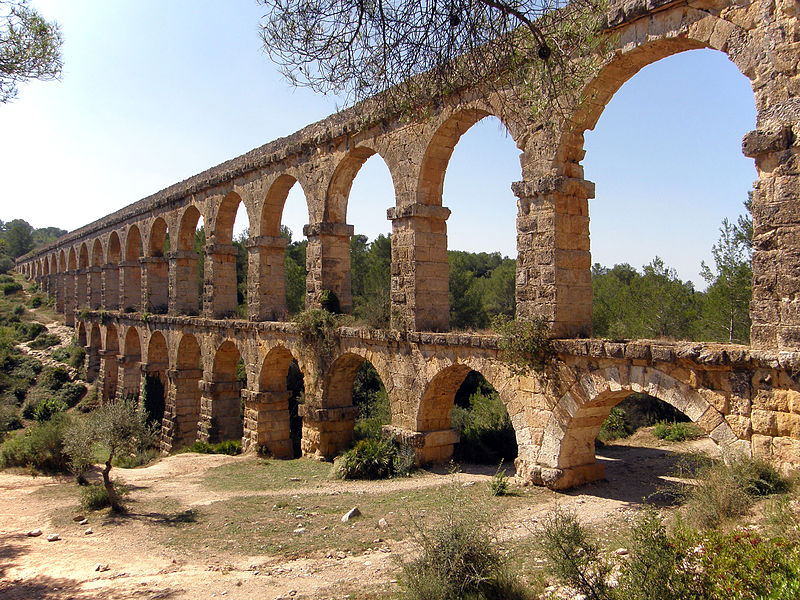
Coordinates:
<point>37,300</point>
<point>460,558</point>
<point>11,287</point>
<point>726,491</point>
<point>45,340</point>
<point>29,330</point>
<point>137,459</point>
<point>677,432</point>
<point>524,344</point>
<point>41,447</point>
<point>71,393</point>
<point>230,447</point>
<point>72,355</point>
<point>329,301</point>
<point>95,496</point>
<point>52,378</point>
<point>48,408</point>
<point>573,556</point>
<point>498,485</point>
<point>615,427</point>
<point>18,310</point>
<point>370,458</point>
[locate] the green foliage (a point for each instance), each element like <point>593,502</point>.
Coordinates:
<point>460,558</point>
<point>573,556</point>
<point>141,457</point>
<point>677,432</point>
<point>615,427</point>
<point>484,427</point>
<point>372,458</point>
<point>481,288</point>
<point>72,355</point>
<point>40,447</point>
<point>11,287</point>
<point>524,344</point>
<point>229,447</point>
<point>723,492</point>
<point>295,266</point>
<point>95,496</point>
<point>45,340</point>
<point>329,302</point>
<point>29,330</point>
<point>48,408</point>
<point>370,267</point>
<point>498,484</point>
<point>372,402</point>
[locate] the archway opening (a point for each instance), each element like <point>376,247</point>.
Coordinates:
<point>486,435</point>
<point>481,230</point>
<point>684,172</point>
<point>131,365</point>
<point>241,234</point>
<point>182,416</point>
<point>227,404</point>
<point>110,364</point>
<point>370,194</point>
<point>93,354</point>
<point>154,395</point>
<point>189,267</point>
<point>272,419</point>
<point>111,273</point>
<point>156,270</point>
<point>131,281</point>
<point>371,401</point>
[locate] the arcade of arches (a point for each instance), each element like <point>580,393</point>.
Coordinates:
<point>109,276</point>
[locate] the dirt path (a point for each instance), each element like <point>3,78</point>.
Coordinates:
<point>139,566</point>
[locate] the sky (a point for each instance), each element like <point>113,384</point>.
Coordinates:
<point>155,91</point>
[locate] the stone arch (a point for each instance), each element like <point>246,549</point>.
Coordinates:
<point>225,412</point>
<point>83,256</point>
<point>130,377</point>
<point>225,217</point>
<point>133,243</point>
<point>153,378</point>
<point>109,365</point>
<point>73,261</point>
<point>93,353</point>
<point>187,228</point>
<point>157,351</point>
<point>183,401</point>
<point>62,262</point>
<point>45,266</point>
<point>97,253</point>
<point>274,202</point>
<point>440,149</point>
<point>81,281</point>
<point>81,334</point>
<point>130,284</point>
<point>111,272</point>
<point>567,453</point>
<point>342,181</point>
<point>95,275</point>
<point>157,238</point>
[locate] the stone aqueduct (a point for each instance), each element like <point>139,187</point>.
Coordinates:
<point>109,276</point>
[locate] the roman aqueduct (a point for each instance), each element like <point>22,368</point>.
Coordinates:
<point>134,304</point>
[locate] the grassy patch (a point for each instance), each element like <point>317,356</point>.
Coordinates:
<point>677,432</point>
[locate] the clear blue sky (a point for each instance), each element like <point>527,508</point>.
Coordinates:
<point>154,92</point>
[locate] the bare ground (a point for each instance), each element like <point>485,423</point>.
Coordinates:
<point>144,561</point>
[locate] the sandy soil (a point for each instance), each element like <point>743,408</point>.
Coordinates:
<point>139,567</point>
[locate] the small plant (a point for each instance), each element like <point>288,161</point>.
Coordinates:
<point>48,408</point>
<point>329,301</point>
<point>72,355</point>
<point>230,447</point>
<point>139,458</point>
<point>460,558</point>
<point>498,485</point>
<point>573,557</point>
<point>370,458</point>
<point>725,491</point>
<point>11,287</point>
<point>677,432</point>
<point>95,496</point>
<point>41,447</point>
<point>45,340</point>
<point>615,427</point>
<point>524,344</point>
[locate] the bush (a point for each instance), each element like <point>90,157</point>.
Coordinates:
<point>615,427</point>
<point>725,491</point>
<point>138,459</point>
<point>677,432</point>
<point>487,435</point>
<point>11,287</point>
<point>45,340</point>
<point>524,344</point>
<point>498,485</point>
<point>29,330</point>
<point>460,559</point>
<point>370,458</point>
<point>41,447</point>
<point>48,408</point>
<point>230,447</point>
<point>72,355</point>
<point>95,496</point>
<point>52,378</point>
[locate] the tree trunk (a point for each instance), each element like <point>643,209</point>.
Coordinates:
<point>116,505</point>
